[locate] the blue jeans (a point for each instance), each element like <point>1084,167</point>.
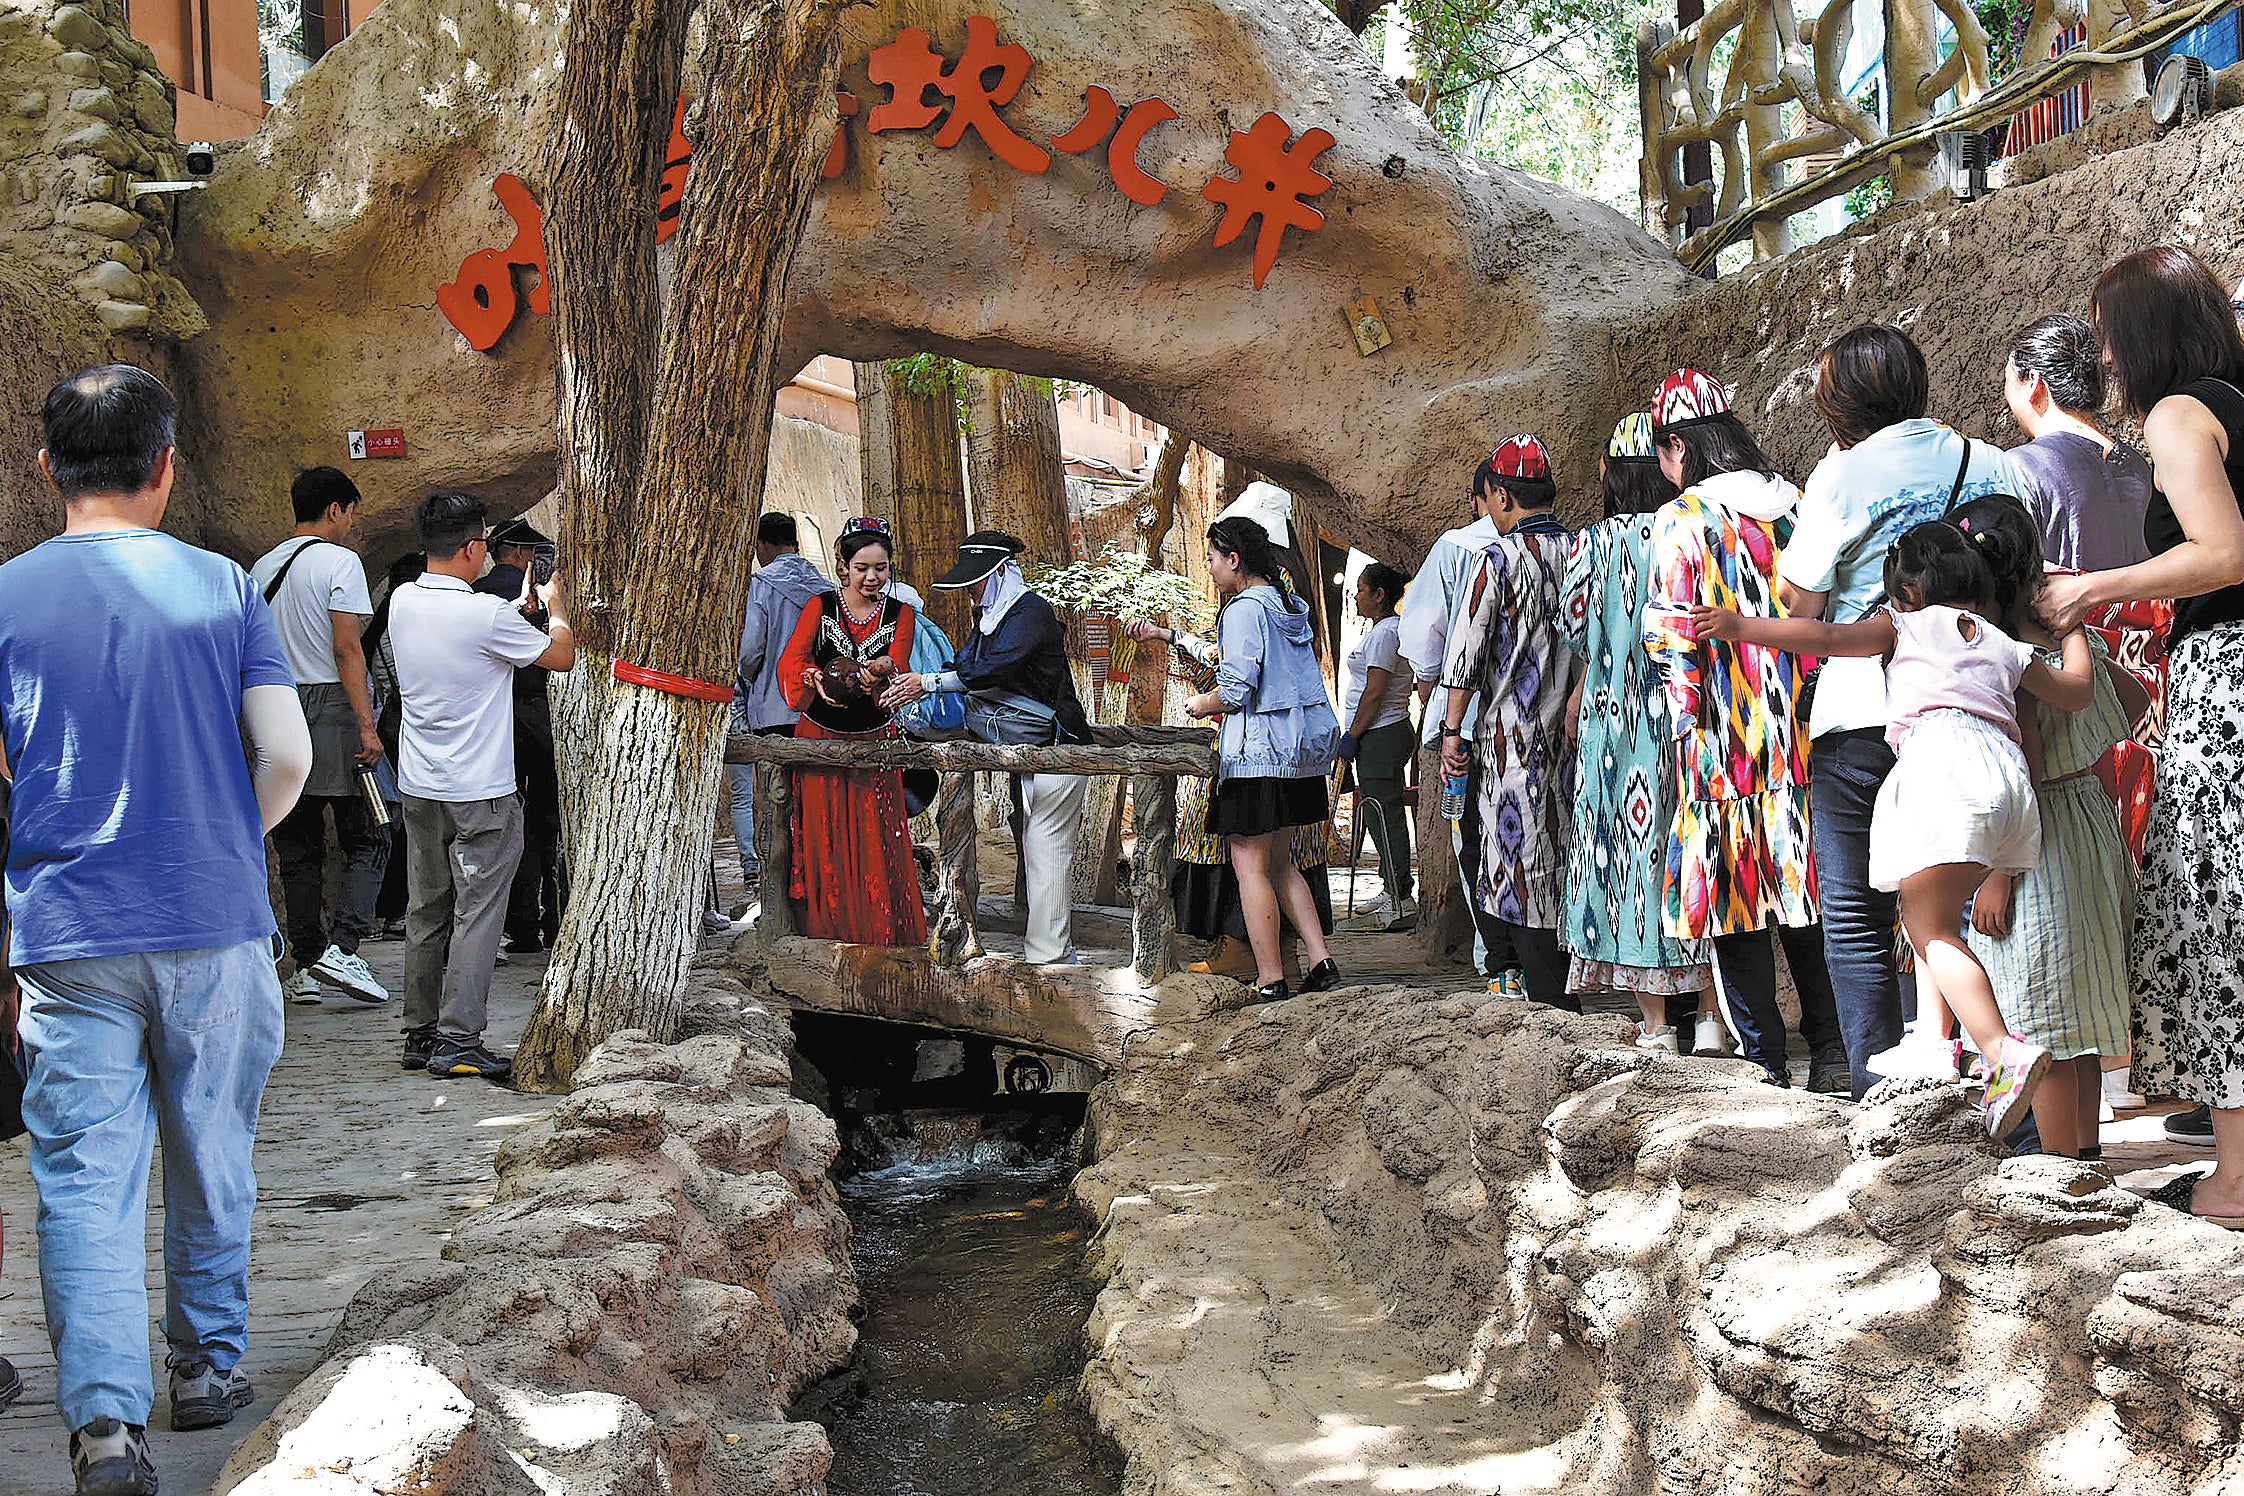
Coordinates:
<point>743,779</point>
<point>1845,771</point>
<point>121,1048</point>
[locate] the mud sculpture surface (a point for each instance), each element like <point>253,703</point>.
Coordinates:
<point>1390,1240</point>
<point>664,1265</point>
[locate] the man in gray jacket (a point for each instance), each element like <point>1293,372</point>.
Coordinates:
<point>783,584</point>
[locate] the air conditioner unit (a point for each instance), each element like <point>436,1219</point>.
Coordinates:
<point>1964,155</point>
<point>1149,453</point>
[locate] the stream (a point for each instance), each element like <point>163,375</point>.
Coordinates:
<point>975,1298</point>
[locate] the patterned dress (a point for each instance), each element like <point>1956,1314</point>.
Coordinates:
<point>1624,807</point>
<point>2060,975</point>
<point>1510,648</point>
<point>1738,859</point>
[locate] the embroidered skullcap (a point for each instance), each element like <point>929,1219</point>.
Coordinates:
<point>1632,439</point>
<point>1522,458</point>
<point>1687,398</point>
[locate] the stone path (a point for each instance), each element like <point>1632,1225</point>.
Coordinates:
<point>360,1166</point>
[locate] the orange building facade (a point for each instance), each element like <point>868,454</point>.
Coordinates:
<point>227,73</point>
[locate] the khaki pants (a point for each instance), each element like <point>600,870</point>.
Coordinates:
<point>459,864</point>
<point>1051,817</point>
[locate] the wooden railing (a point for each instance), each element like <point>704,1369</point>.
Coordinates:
<point>1785,63</point>
<point>1153,757</point>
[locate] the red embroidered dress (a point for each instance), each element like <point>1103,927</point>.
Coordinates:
<point>853,877</point>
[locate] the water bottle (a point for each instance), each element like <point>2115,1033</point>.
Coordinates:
<point>370,790</point>
<point>1453,788</point>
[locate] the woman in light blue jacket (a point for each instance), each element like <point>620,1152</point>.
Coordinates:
<point>1279,736</point>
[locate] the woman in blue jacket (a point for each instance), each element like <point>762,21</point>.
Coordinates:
<point>1278,739</point>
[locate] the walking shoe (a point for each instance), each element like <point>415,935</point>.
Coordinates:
<point>1921,1055</point>
<point>498,957</point>
<point>420,1043</point>
<point>451,1058</point>
<point>388,929</point>
<point>340,968</point>
<point>111,1459</point>
<point>2192,1126</point>
<point>1709,1039</point>
<point>1228,957</point>
<point>1373,921</point>
<point>1662,1037</point>
<point>302,989</point>
<point>1829,1075</point>
<point>204,1397</point>
<point>713,922</point>
<point>2118,1096</point>
<point>1509,984</point>
<point>523,945</point>
<point>2010,1088</point>
<point>1323,977</point>
<point>11,1383</point>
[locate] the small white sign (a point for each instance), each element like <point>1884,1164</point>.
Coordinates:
<point>358,446</point>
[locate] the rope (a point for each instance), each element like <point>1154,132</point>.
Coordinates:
<point>675,685</point>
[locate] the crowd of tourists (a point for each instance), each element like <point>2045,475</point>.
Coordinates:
<point>144,996</point>
<point>1921,721</point>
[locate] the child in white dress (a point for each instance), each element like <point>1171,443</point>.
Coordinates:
<point>1960,801</point>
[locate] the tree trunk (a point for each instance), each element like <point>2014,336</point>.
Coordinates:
<point>1236,478</point>
<point>659,534</point>
<point>1020,481</point>
<point>908,449</point>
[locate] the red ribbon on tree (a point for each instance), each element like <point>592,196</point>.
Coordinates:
<point>676,685</point>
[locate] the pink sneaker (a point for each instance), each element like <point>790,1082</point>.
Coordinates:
<point>2010,1086</point>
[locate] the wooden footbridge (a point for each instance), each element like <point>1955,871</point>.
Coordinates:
<point>953,984</point>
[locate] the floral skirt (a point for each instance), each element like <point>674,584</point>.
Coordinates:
<point>2188,951</point>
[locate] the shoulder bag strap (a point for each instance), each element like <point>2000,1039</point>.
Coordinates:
<point>272,588</point>
<point>1955,493</point>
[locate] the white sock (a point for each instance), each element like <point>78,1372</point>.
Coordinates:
<point>2115,1082</point>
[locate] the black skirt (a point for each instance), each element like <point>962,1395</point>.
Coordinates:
<point>1206,900</point>
<point>1251,807</point>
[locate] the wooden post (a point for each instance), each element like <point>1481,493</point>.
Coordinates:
<point>1912,58</point>
<point>2114,85</point>
<point>775,851</point>
<point>954,939</point>
<point>1759,56</point>
<point>1153,918</point>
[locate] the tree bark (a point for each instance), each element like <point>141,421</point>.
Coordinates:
<point>1019,476</point>
<point>908,450</point>
<point>659,532</point>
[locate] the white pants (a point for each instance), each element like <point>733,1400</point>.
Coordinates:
<point>1051,818</point>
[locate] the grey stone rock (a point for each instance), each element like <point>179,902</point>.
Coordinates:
<point>79,64</point>
<point>99,103</point>
<point>104,218</point>
<point>112,279</point>
<point>122,316</point>
<point>32,105</point>
<point>78,29</point>
<point>98,139</point>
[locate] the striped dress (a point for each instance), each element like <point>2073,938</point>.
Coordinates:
<point>2060,976</point>
<point>1738,856</point>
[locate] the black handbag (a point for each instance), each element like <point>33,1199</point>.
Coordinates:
<point>13,1073</point>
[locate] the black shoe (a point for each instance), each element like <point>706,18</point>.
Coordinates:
<point>1829,1078</point>
<point>524,945</point>
<point>1778,1076</point>
<point>452,1058</point>
<point>111,1459</point>
<point>1271,992</point>
<point>2192,1126</point>
<point>1323,977</point>
<point>204,1397</point>
<point>11,1384</point>
<point>420,1043</point>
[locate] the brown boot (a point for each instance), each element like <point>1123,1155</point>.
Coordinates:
<point>1227,958</point>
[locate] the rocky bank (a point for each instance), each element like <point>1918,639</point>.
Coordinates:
<point>663,1266</point>
<point>1397,1240</point>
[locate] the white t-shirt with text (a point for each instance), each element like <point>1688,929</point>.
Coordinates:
<point>325,578</point>
<point>457,651</point>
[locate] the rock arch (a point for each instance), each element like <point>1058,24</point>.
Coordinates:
<point>317,251</point>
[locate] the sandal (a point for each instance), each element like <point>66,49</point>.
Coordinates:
<point>2180,1193</point>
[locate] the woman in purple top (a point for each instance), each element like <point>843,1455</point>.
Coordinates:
<point>2087,493</point>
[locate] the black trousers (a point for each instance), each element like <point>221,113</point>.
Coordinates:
<point>1543,966</point>
<point>534,904</point>
<point>1495,934</point>
<point>300,847</point>
<point>1745,985</point>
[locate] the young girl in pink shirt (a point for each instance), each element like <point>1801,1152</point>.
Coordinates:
<point>1960,801</point>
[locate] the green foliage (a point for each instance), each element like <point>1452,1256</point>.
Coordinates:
<point>2005,22</point>
<point>930,374</point>
<point>1120,583</point>
<point>1866,198</point>
<point>1544,86</point>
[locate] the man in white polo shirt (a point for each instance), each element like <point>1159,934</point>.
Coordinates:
<point>457,650</point>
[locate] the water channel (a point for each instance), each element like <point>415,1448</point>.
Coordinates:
<point>972,1289</point>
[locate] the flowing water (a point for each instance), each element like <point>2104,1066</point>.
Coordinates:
<point>975,1298</point>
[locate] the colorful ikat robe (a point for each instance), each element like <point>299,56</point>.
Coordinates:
<point>1738,858</point>
<point>1509,647</point>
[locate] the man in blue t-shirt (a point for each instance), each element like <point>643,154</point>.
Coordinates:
<point>132,665</point>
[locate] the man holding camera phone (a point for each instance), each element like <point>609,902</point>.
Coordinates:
<point>457,651</point>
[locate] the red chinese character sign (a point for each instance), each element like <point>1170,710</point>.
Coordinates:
<point>926,90</point>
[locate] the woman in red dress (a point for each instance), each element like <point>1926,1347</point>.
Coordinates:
<point>853,877</point>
